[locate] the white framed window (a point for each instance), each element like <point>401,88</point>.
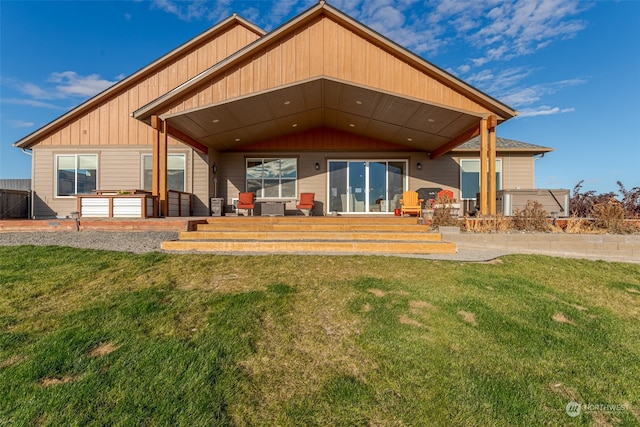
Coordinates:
<point>76,174</point>
<point>176,172</point>
<point>470,177</point>
<point>272,177</point>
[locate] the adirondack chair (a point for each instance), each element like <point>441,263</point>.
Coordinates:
<point>410,203</point>
<point>307,203</point>
<point>245,201</point>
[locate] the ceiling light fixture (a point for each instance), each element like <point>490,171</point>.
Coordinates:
<point>359,102</point>
<point>215,120</point>
<point>237,139</point>
<point>295,125</point>
<point>352,125</point>
<point>409,139</point>
<point>287,102</point>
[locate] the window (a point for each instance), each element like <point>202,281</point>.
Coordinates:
<point>76,174</point>
<point>273,178</point>
<point>175,172</point>
<point>470,177</point>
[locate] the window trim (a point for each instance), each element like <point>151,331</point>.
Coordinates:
<point>57,177</point>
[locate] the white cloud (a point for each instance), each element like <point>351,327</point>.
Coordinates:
<point>544,110</point>
<point>59,86</point>
<point>31,103</point>
<point>70,84</point>
<point>20,124</point>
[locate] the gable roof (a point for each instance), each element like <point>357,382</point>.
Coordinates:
<point>132,79</point>
<point>504,144</point>
<point>503,111</point>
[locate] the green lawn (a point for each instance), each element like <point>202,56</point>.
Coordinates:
<point>108,338</point>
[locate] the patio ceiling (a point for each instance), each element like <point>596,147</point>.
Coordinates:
<point>323,103</point>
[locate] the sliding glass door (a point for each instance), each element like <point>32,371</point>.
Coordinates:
<point>366,186</point>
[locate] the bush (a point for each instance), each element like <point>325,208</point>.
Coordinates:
<point>531,218</point>
<point>582,204</point>
<point>442,212</point>
<point>609,215</point>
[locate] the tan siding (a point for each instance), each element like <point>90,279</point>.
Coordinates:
<point>200,183</point>
<point>344,55</point>
<point>517,171</point>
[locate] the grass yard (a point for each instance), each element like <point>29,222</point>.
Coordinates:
<point>108,338</point>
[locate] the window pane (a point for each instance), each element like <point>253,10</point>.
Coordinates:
<point>397,175</point>
<point>470,183</point>
<point>175,180</point>
<point>175,161</point>
<point>67,163</point>
<point>271,188</point>
<point>271,168</point>
<point>288,188</point>
<point>254,168</point>
<point>66,182</point>
<point>255,186</point>
<point>470,165</point>
<point>88,162</point>
<point>288,168</point>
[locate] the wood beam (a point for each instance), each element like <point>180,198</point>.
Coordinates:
<point>492,171</point>
<point>156,124</point>
<point>484,145</point>
<point>458,140</point>
<point>162,167</point>
<point>196,145</point>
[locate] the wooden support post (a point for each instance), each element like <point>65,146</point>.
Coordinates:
<point>156,124</point>
<point>491,124</point>
<point>484,148</point>
<point>163,170</point>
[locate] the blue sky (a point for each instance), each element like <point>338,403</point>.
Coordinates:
<point>570,67</point>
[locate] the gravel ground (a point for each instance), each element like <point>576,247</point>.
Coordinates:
<point>137,242</point>
<point>149,241</point>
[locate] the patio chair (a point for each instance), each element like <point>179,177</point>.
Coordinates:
<point>307,203</point>
<point>410,203</point>
<point>245,202</point>
<point>445,193</point>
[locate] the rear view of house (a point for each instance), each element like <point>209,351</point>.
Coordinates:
<point>320,105</point>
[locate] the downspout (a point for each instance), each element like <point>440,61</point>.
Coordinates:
<point>30,204</point>
<point>537,156</point>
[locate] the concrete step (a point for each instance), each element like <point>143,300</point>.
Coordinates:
<point>315,234</point>
<point>312,226</point>
<point>333,247</point>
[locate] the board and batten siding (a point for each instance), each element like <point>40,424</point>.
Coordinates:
<point>323,48</point>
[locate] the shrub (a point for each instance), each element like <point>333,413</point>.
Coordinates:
<point>531,218</point>
<point>442,213</point>
<point>488,224</point>
<point>609,215</point>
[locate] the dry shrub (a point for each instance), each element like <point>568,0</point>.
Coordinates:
<point>442,213</point>
<point>487,224</point>
<point>577,225</point>
<point>609,215</point>
<point>531,218</point>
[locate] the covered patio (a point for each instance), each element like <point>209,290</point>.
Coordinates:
<point>293,95</point>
